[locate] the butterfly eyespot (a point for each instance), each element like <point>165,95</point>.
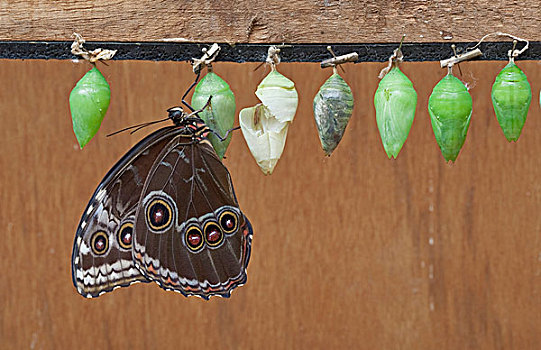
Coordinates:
<point>213,234</point>
<point>228,221</point>
<point>99,243</point>
<point>125,235</point>
<point>194,238</point>
<point>159,215</point>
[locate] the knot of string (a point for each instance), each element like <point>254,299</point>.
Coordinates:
<point>91,56</point>
<point>209,55</point>
<point>200,62</point>
<point>395,59</point>
<point>272,57</point>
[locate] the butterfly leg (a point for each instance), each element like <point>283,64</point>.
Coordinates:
<point>208,104</point>
<point>188,91</point>
<point>223,138</point>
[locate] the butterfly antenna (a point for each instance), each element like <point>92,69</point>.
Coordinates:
<point>147,124</point>
<point>138,127</point>
<point>188,91</point>
<point>259,66</point>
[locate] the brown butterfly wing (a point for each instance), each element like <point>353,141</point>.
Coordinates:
<point>191,236</point>
<point>102,251</point>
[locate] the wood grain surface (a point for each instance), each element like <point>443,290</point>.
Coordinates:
<point>295,21</point>
<point>353,251</point>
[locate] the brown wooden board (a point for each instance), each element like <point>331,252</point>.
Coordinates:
<point>297,21</point>
<point>353,251</point>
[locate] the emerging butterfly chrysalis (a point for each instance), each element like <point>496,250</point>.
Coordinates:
<point>333,105</point>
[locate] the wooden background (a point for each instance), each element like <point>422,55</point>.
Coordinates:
<point>353,251</point>
<point>264,21</point>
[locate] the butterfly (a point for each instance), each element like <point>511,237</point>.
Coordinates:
<point>167,213</point>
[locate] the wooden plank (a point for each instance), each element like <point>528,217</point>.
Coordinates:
<point>245,21</point>
<point>353,251</point>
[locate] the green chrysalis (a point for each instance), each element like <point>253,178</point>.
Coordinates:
<point>395,102</point>
<point>220,116</point>
<point>511,97</point>
<point>333,106</point>
<point>89,101</point>
<point>450,108</point>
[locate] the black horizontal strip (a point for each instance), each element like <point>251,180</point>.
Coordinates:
<point>172,51</point>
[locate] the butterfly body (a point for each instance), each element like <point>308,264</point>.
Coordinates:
<point>166,212</point>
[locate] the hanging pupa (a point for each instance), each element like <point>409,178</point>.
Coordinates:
<point>511,97</point>
<point>89,99</point>
<point>333,105</point>
<point>395,102</point>
<point>450,108</point>
<point>220,115</point>
<point>265,125</point>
